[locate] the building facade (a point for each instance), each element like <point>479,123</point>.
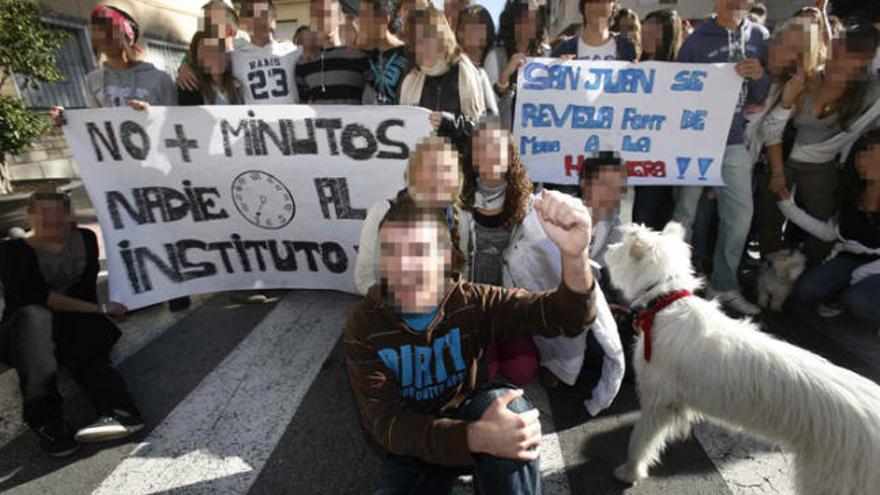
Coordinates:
<point>166,28</point>
<point>564,13</point>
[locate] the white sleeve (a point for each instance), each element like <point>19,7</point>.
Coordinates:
<point>773,126</point>
<point>493,64</point>
<point>366,268</point>
<point>491,101</point>
<point>825,231</point>
<point>865,271</point>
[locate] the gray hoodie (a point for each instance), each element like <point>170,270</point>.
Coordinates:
<point>113,88</point>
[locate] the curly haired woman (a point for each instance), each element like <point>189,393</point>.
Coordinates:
<point>506,246</point>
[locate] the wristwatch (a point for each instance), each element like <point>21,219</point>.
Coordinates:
<point>102,308</point>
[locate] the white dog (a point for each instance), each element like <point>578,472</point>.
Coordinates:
<point>778,276</point>
<point>705,365</point>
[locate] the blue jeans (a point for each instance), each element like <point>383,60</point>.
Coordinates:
<point>832,278</point>
<point>735,207</point>
<point>401,475</point>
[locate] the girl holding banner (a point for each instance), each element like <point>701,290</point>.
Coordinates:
<point>523,33</point>
<point>661,39</point>
<point>442,79</point>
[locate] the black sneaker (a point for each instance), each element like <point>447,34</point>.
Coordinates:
<point>179,304</point>
<point>118,424</point>
<point>56,440</point>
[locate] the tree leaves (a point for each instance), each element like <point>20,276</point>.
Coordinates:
<point>27,47</point>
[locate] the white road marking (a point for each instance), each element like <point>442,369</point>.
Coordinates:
<point>222,434</point>
<point>138,330</point>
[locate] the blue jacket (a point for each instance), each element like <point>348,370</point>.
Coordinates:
<point>710,43</point>
<point>625,48</point>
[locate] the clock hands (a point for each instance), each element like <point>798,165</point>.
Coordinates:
<point>263,201</point>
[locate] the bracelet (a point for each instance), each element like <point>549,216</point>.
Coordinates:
<point>102,308</point>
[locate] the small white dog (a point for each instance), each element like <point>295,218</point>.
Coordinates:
<point>778,276</point>
<point>704,365</point>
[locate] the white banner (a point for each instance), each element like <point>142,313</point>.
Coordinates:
<point>203,199</point>
<point>668,121</point>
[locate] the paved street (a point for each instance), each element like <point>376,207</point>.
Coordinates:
<point>255,399</point>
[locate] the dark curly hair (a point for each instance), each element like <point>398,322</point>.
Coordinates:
<point>519,187</point>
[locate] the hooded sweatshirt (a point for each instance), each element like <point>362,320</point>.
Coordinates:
<point>143,81</point>
<point>407,384</point>
<point>711,43</point>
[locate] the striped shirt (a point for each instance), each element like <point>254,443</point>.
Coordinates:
<point>337,76</point>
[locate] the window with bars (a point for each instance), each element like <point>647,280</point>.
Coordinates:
<point>75,60</point>
<point>166,56</point>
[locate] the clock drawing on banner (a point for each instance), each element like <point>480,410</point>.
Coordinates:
<point>263,200</point>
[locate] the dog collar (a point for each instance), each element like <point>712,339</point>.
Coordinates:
<point>645,319</point>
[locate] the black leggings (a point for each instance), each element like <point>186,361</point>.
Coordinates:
<point>35,340</point>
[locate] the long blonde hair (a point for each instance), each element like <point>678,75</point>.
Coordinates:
<point>470,87</point>
<point>812,57</point>
<point>431,18</point>
<point>434,144</point>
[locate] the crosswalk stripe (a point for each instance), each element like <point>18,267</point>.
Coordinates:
<point>220,436</point>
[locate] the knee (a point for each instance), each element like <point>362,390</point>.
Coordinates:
<point>520,405</point>
<point>861,304</point>
<point>35,316</point>
<point>474,408</point>
<point>807,291</point>
<point>34,324</point>
<point>520,370</point>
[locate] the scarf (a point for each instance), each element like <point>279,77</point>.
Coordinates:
<point>121,20</point>
<point>470,87</point>
<point>489,198</point>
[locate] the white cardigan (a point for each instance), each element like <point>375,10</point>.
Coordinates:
<point>829,232</point>
<point>533,262</point>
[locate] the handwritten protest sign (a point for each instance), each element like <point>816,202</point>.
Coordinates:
<point>199,199</point>
<point>669,122</point>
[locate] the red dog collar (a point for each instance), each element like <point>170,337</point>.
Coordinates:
<point>645,319</point>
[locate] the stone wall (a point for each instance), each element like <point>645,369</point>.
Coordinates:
<point>48,158</point>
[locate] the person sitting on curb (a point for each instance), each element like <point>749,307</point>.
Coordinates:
<point>52,316</point>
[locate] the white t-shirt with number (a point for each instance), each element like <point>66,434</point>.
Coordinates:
<point>607,51</point>
<point>266,73</point>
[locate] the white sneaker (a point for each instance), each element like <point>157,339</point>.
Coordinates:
<point>733,299</point>
<point>829,310</point>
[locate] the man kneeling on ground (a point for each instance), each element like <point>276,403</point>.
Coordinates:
<point>416,349</point>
